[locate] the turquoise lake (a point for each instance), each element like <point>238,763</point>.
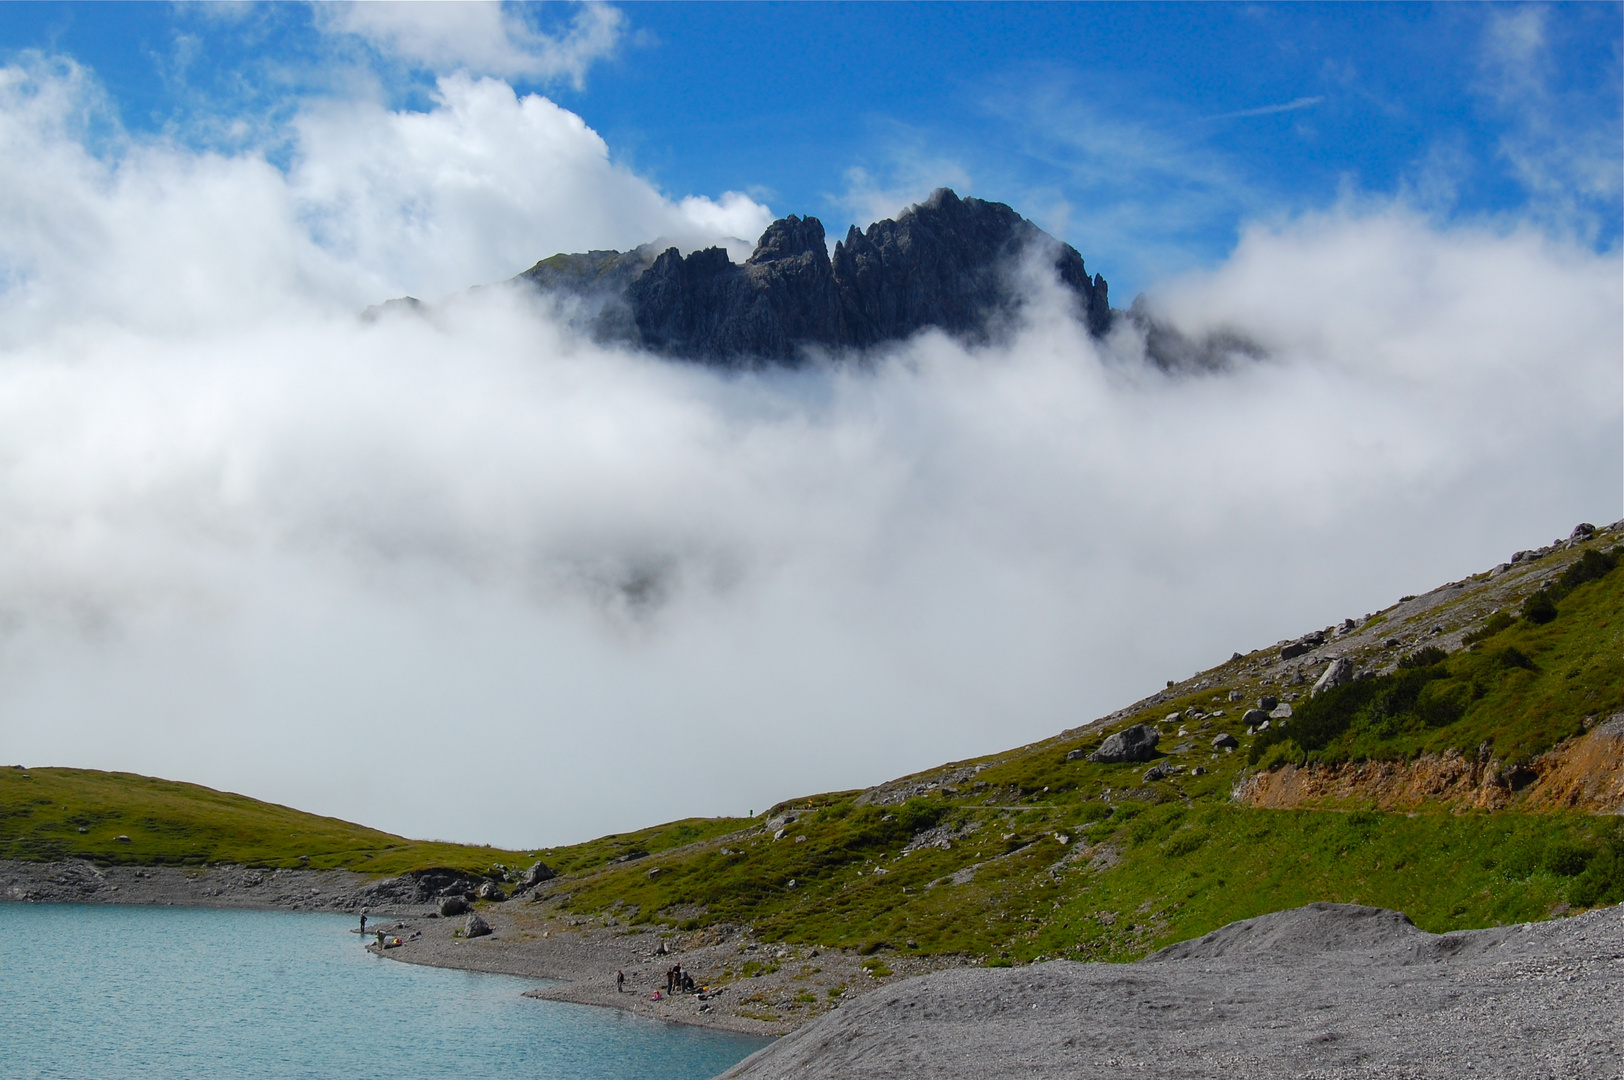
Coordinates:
<point>106,991</point>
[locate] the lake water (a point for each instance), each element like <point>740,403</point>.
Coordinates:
<point>105,991</point>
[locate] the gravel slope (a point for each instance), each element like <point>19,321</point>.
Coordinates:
<point>1324,991</point>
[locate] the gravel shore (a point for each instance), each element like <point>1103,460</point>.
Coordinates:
<point>76,881</point>
<point>769,989</point>
<point>1329,991</point>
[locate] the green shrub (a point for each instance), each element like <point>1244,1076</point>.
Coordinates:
<point>1441,703</point>
<point>1423,658</point>
<point>1567,859</point>
<point>1186,842</point>
<point>1602,881</point>
<point>1491,626</point>
<point>1513,657</point>
<point>1284,752</point>
<point>1539,608</point>
<point>1593,565</point>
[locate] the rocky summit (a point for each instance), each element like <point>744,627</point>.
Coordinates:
<point>946,263</point>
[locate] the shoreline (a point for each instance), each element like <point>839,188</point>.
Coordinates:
<point>760,988</point>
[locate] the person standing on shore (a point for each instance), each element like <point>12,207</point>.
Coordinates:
<point>363,920</point>
<point>620,982</point>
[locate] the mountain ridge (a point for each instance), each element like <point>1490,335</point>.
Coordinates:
<point>947,263</point>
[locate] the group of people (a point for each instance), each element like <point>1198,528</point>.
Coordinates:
<point>677,979</point>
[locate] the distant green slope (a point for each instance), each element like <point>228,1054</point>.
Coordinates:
<point>81,813</point>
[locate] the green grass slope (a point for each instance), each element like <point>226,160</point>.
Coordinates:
<point>1025,854</point>
<point>123,818</point>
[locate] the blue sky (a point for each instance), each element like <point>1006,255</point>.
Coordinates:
<point>1145,135</point>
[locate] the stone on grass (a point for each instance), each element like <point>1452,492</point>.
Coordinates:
<point>1340,671</point>
<point>1226,741</point>
<point>1136,743</point>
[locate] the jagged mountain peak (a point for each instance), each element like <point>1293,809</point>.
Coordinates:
<point>946,263</point>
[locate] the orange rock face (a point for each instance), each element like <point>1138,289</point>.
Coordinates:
<point>1584,774</point>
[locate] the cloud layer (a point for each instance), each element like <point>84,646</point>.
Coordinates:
<point>470,576</point>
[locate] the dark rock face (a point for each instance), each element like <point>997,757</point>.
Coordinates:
<point>948,263</point>
<point>1137,743</point>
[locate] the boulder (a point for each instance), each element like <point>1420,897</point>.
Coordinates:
<point>1077,755</point>
<point>1157,772</point>
<point>1295,649</point>
<point>1226,741</point>
<point>453,905</point>
<point>1254,717</point>
<point>1267,702</point>
<point>1340,671</point>
<point>1136,743</point>
<point>537,874</point>
<point>475,926</point>
<point>1280,712</point>
<point>490,890</point>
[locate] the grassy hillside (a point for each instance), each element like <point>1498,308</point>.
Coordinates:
<point>1036,852</point>
<point>1523,684</point>
<point>83,813</point>
<point>1027,854</point>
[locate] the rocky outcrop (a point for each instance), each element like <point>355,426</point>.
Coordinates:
<point>1584,774</point>
<point>1339,672</point>
<point>947,263</point>
<point>1136,743</point>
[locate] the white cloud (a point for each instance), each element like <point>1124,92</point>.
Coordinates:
<point>379,203</point>
<point>908,178</point>
<point>481,187</point>
<point>1270,110</point>
<point>474,577</point>
<point>484,38</point>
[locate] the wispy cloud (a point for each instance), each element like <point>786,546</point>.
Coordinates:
<point>1270,110</point>
<point>1136,185</point>
<point>1563,151</point>
<point>482,37</point>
